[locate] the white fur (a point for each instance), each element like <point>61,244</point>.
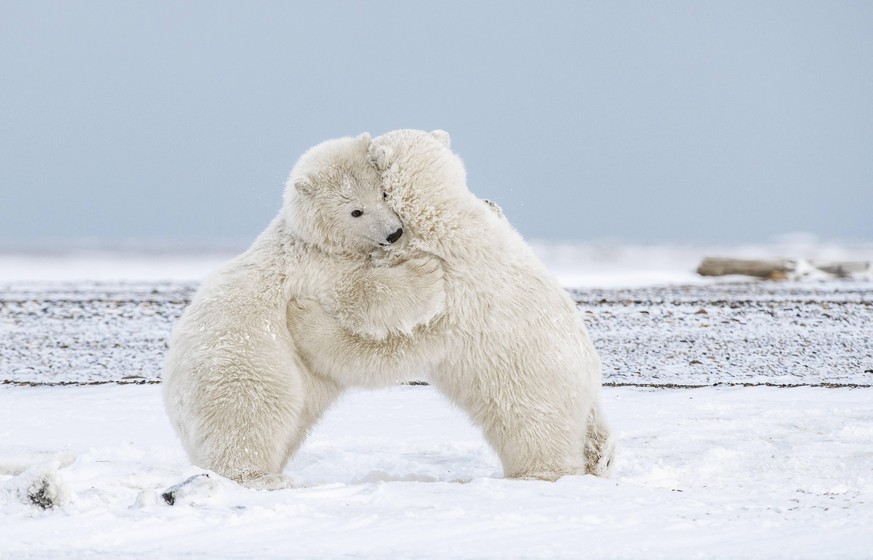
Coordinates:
<point>236,391</point>
<point>510,348</point>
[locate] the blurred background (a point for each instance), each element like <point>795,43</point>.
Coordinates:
<point>173,125</point>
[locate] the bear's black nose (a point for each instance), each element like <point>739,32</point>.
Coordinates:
<point>394,236</point>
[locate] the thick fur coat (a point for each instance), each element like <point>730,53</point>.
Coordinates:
<point>510,347</point>
<point>235,388</point>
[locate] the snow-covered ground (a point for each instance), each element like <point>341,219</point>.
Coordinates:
<point>745,472</point>
<point>398,473</point>
<point>806,333</point>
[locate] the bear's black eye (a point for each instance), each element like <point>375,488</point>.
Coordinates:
<point>357,213</point>
<point>384,196</point>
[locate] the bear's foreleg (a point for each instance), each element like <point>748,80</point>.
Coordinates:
<point>247,423</point>
<point>376,302</point>
<point>330,351</point>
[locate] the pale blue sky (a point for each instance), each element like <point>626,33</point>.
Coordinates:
<point>177,122</point>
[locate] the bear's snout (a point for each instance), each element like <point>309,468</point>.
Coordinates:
<point>394,236</point>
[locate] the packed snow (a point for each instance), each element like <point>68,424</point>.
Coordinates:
<point>712,472</point>
<point>398,473</point>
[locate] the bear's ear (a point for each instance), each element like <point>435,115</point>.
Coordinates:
<point>443,137</point>
<point>365,137</point>
<point>303,185</point>
<point>380,156</point>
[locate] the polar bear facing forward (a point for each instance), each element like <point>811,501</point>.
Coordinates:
<point>236,391</point>
<point>510,348</point>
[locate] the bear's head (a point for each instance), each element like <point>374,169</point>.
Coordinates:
<point>334,199</point>
<point>426,184</point>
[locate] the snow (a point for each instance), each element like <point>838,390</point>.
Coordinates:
<point>621,265</point>
<point>101,265</point>
<point>713,472</point>
<point>576,265</point>
<point>398,473</point>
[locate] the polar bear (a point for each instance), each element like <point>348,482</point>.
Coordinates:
<point>238,395</point>
<point>510,348</point>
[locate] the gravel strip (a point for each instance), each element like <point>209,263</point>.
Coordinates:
<point>758,333</point>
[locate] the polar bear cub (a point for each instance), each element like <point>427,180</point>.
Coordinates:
<point>236,391</point>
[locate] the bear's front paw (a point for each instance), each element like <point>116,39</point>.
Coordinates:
<point>375,327</point>
<point>430,289</point>
<point>427,271</point>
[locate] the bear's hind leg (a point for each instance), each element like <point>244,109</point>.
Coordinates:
<point>599,444</point>
<point>536,431</point>
<point>247,424</point>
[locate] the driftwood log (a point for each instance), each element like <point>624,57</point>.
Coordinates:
<point>778,269</point>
